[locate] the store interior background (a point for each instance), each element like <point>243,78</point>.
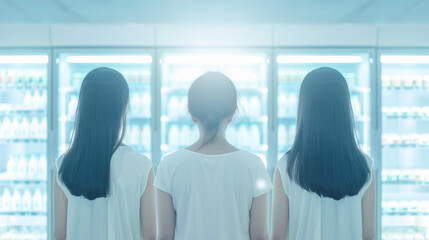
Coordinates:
<point>268,30</point>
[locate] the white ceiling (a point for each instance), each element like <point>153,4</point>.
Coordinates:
<point>215,11</point>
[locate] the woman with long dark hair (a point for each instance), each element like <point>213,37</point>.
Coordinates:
<point>211,190</point>
<point>324,186</point>
<point>102,188</point>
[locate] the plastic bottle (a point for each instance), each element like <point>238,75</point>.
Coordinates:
<point>356,106</point>
<point>5,130</point>
<point>22,167</point>
<point>43,128</point>
<point>146,105</point>
<point>173,106</point>
<point>185,136</point>
<point>244,103</point>
<point>41,165</point>
<point>6,200</point>
<point>12,166</point>
<point>44,201</point>
<point>43,99</point>
<point>32,167</point>
<point>282,105</point>
<point>16,201</point>
<point>145,135</point>
<point>183,109</point>
<point>135,104</point>
<point>282,136</point>
<point>27,98</point>
<point>15,128</point>
<point>34,128</point>
<point>36,100</point>
<point>37,201</point>
<point>255,105</point>
<point>255,136</point>
<point>135,134</point>
<point>26,201</point>
<point>293,105</point>
<point>173,136</point>
<point>25,128</point>
<point>72,106</point>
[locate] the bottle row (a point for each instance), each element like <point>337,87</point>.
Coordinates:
<point>406,175</point>
<point>405,81</point>
<point>247,106</point>
<point>140,104</point>
<point>23,201</point>
<point>405,139</point>
<point>286,135</point>
<point>26,167</point>
<point>298,76</point>
<point>30,233</point>
<point>288,106</point>
<point>416,112</point>
<point>131,76</point>
<point>405,207</point>
<point>22,128</point>
<point>402,234</point>
<point>136,135</point>
<point>33,100</point>
<point>13,77</point>
<point>241,135</point>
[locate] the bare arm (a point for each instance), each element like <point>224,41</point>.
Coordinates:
<point>60,211</point>
<point>166,215</point>
<point>368,212</point>
<point>147,210</point>
<point>280,211</point>
<point>259,218</point>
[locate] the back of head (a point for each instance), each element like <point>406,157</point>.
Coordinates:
<point>98,131</point>
<point>325,157</point>
<point>212,98</point>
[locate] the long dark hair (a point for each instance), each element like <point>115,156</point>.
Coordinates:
<point>325,157</point>
<point>98,131</point>
<point>212,98</point>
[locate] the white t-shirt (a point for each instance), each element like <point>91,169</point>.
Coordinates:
<point>319,218</point>
<point>212,194</point>
<point>118,215</point>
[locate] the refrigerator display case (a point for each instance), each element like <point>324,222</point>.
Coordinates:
<point>248,71</point>
<point>291,69</point>
<point>136,66</point>
<point>23,146</point>
<point>405,146</point>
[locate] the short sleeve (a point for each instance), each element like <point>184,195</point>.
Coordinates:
<point>284,177</point>
<point>161,182</point>
<point>147,167</point>
<point>262,182</point>
<point>370,163</point>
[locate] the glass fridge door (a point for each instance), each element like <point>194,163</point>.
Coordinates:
<point>23,146</point>
<point>137,70</point>
<point>248,71</point>
<point>405,151</point>
<point>291,70</point>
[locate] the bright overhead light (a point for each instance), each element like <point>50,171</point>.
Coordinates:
<point>24,59</point>
<point>404,59</point>
<point>109,59</point>
<point>319,59</point>
<point>215,59</point>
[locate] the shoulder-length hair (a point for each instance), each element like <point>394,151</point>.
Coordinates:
<point>325,157</point>
<point>98,131</point>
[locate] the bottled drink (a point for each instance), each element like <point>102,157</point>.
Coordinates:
<point>41,165</point>
<point>25,128</point>
<point>37,201</point>
<point>34,128</point>
<point>12,166</point>
<point>22,167</point>
<point>32,167</point>
<point>135,104</point>
<point>26,201</point>
<point>6,200</point>
<point>16,201</point>
<point>15,128</point>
